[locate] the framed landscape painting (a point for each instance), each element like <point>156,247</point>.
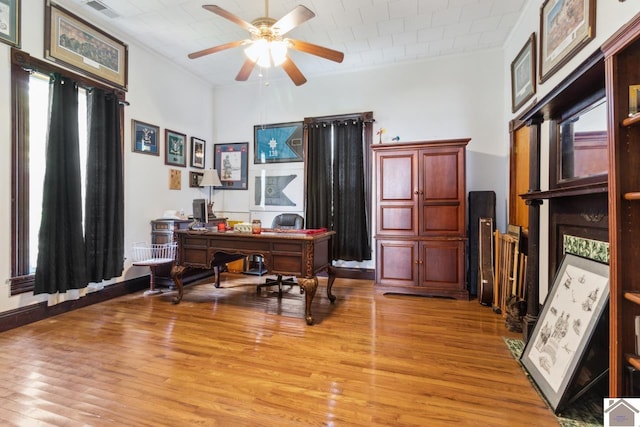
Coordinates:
<point>566,26</point>
<point>74,42</point>
<point>523,74</point>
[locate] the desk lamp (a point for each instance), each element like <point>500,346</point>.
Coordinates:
<point>210,179</point>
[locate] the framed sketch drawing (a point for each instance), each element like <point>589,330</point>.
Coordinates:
<point>566,26</point>
<point>10,22</point>
<point>144,138</point>
<point>278,143</point>
<point>197,152</point>
<point>174,150</point>
<point>560,340</point>
<point>74,42</point>
<point>523,74</point>
<point>231,162</point>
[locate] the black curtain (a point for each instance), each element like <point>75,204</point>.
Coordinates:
<point>60,264</point>
<point>351,242</point>
<point>104,200</point>
<point>319,193</point>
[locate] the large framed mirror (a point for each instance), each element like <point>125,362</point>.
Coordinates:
<point>581,153</point>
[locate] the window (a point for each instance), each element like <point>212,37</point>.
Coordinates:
<point>30,101</point>
<point>38,101</point>
<point>338,176</point>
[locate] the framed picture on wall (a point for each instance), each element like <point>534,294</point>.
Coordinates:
<point>231,162</point>
<point>560,342</point>
<point>197,152</point>
<point>144,138</point>
<point>523,74</point>
<point>10,22</point>
<point>278,143</point>
<point>174,150</point>
<point>565,28</point>
<point>74,42</point>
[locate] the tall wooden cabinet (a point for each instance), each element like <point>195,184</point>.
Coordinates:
<point>622,70</point>
<point>420,217</point>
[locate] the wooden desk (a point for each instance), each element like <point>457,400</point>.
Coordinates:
<point>290,254</point>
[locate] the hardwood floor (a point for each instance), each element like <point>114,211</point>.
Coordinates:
<point>228,357</point>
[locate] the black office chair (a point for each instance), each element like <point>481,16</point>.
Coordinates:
<point>285,221</point>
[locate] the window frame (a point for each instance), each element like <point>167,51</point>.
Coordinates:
<point>22,64</point>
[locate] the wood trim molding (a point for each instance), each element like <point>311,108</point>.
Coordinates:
<point>35,312</point>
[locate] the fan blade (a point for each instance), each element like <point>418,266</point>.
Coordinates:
<point>215,49</point>
<point>231,17</point>
<point>314,49</point>
<point>294,72</point>
<point>246,70</point>
<point>292,19</point>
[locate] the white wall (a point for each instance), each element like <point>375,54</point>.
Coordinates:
<point>155,98</point>
<point>452,97</point>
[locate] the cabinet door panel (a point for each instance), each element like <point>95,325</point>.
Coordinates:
<point>442,264</point>
<point>397,174</point>
<point>396,262</point>
<point>440,177</point>
<point>441,220</point>
<point>396,219</point>
<point>442,192</point>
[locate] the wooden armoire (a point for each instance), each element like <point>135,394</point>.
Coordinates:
<point>420,218</point>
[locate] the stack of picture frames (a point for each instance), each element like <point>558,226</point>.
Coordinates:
<point>566,27</point>
<point>145,139</point>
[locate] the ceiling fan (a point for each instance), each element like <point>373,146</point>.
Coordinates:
<point>267,46</point>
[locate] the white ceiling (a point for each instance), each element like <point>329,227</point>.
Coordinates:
<point>371,33</point>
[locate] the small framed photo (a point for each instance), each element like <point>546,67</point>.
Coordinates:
<point>565,28</point>
<point>174,150</point>
<point>197,152</point>
<point>10,22</point>
<point>278,143</point>
<point>231,162</point>
<point>195,178</point>
<point>523,74</point>
<point>634,99</point>
<point>144,138</point>
<point>561,355</point>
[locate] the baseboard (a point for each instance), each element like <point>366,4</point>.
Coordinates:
<point>35,312</point>
<point>355,273</point>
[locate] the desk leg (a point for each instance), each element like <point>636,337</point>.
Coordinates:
<point>309,286</point>
<point>176,275</point>
<point>331,272</point>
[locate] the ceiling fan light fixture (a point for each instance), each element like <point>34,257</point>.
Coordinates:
<point>256,49</point>
<point>278,50</point>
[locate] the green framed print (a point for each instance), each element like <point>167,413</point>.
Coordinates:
<point>10,22</point>
<point>174,150</point>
